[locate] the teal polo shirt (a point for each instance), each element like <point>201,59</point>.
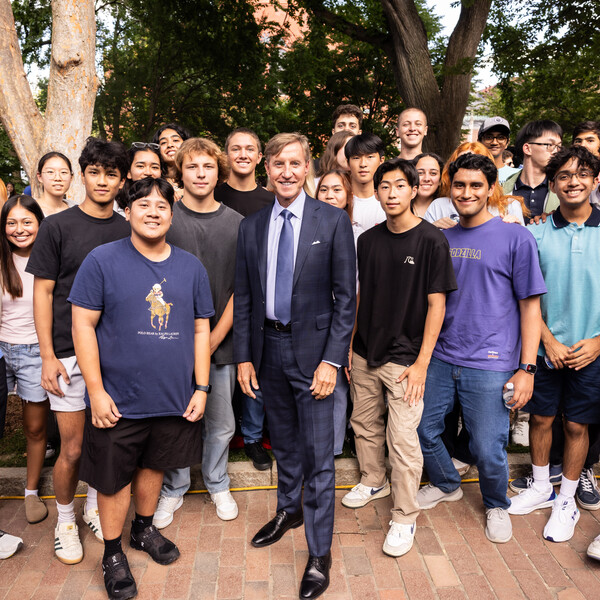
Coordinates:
<point>570,262</point>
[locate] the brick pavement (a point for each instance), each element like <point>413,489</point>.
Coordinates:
<point>451,558</point>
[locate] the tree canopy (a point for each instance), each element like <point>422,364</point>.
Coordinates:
<point>546,56</point>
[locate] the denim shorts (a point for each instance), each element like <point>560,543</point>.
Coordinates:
<point>24,370</point>
<point>578,392</point>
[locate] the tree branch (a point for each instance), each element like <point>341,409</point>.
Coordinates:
<point>343,25</point>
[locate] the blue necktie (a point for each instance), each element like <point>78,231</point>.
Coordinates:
<point>285,270</point>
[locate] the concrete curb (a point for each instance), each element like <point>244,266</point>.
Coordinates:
<point>242,475</point>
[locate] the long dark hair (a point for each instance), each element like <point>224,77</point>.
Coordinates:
<point>11,280</point>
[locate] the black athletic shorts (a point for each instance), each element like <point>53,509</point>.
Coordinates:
<point>110,457</point>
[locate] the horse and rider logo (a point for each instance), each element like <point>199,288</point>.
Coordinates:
<point>158,307</point>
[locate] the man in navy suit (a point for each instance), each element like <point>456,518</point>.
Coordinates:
<point>294,309</point>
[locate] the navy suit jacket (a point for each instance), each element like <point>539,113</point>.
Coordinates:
<point>324,288</point>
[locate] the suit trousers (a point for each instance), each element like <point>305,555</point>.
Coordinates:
<point>301,430</point>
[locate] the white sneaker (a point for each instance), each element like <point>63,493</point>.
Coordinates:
<point>531,499</point>
<point>167,505</point>
<point>399,539</point>
<point>593,550</point>
<point>429,496</point>
<point>460,466</point>
<point>92,520</point>
<point>227,509</point>
<point>561,525</point>
<point>520,430</point>
<point>498,528</point>
<point>361,495</point>
<point>67,545</point>
<point>9,544</point>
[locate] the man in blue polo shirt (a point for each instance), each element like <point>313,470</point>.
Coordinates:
<point>568,369</point>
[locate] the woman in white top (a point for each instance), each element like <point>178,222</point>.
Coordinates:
<point>20,219</point>
<point>441,211</point>
<point>55,174</point>
<point>429,167</point>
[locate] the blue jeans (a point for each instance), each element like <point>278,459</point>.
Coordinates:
<point>253,417</point>
<point>485,417</point>
<point>218,427</point>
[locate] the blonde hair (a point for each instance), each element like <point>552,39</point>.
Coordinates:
<point>278,142</point>
<point>498,199</point>
<point>198,145</point>
<point>276,145</point>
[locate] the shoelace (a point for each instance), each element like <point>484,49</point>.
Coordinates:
<point>497,511</point>
<point>528,482</point>
<point>586,484</point>
<point>69,539</point>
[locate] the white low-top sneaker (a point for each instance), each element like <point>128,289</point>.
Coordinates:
<point>593,550</point>
<point>167,505</point>
<point>360,495</point>
<point>429,496</point>
<point>227,508</point>
<point>399,539</point>
<point>9,544</point>
<point>561,525</point>
<point>498,528</point>
<point>67,545</point>
<point>531,499</point>
<point>92,519</point>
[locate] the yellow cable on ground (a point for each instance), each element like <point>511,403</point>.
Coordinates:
<point>243,489</point>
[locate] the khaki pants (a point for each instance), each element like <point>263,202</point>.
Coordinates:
<point>368,385</point>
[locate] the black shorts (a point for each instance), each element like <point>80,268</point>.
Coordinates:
<point>110,457</point>
<point>576,392</point>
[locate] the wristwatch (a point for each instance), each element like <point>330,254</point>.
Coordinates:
<point>528,368</point>
<point>203,388</point>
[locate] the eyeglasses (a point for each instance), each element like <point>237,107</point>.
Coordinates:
<point>143,145</point>
<point>550,147</point>
<point>62,174</point>
<point>490,137</point>
<point>582,175</point>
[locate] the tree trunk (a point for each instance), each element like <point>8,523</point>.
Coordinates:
<point>71,89</point>
<point>417,85</point>
<point>19,113</point>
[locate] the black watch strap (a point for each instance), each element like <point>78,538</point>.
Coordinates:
<point>203,388</point>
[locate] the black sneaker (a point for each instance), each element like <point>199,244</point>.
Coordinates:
<point>118,580</point>
<point>258,455</point>
<point>588,494</point>
<point>522,483</point>
<point>162,550</point>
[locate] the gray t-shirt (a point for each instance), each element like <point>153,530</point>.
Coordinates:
<point>212,237</point>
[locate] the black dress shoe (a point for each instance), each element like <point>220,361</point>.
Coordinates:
<point>316,576</point>
<point>273,531</point>
<point>258,455</point>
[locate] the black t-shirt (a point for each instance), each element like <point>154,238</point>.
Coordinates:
<point>245,203</point>
<point>397,271</point>
<point>63,241</point>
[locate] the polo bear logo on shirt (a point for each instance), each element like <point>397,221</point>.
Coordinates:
<point>158,307</point>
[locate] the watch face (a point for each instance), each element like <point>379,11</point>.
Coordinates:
<point>529,368</point>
